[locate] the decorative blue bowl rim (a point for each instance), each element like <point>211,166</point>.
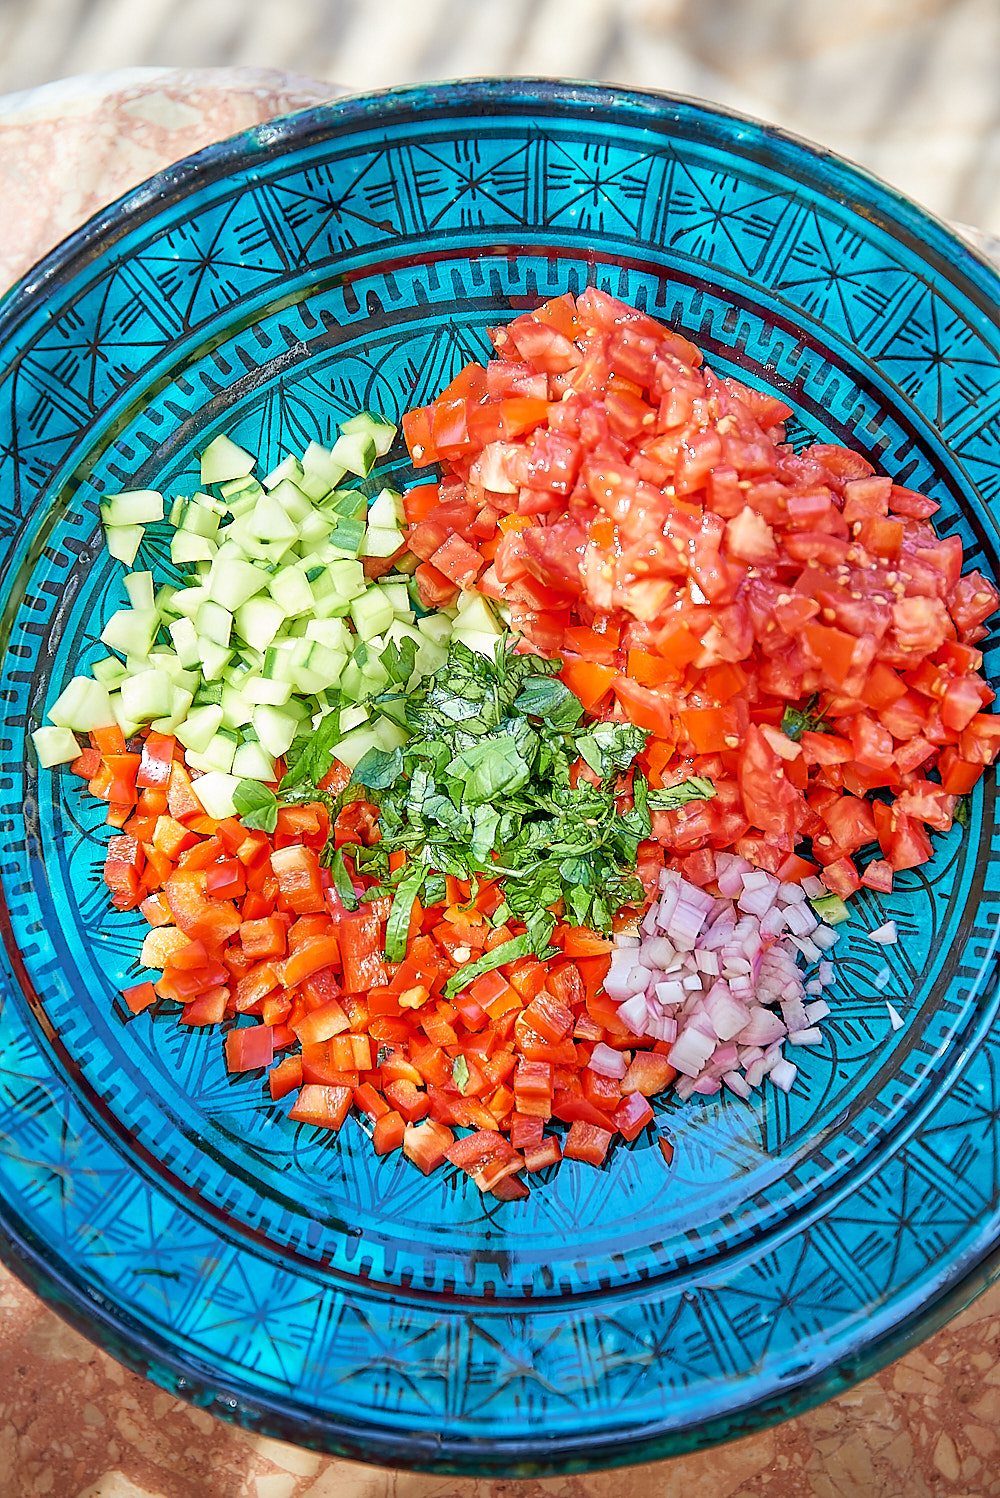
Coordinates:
<point>111,1327</point>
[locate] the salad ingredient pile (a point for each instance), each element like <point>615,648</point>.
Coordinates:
<point>786,623</point>
<point>503,805</point>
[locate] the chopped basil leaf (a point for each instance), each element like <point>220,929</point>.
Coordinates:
<point>397,927</point>
<point>256,806</point>
<point>460,1073</point>
<point>795,721</point>
<point>342,881</point>
<point>695,788</point>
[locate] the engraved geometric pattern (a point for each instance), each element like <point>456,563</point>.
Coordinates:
<point>357,256</point>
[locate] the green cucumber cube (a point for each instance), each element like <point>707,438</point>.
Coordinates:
<point>222,461</point>
<point>54,746</point>
<point>123,541</point>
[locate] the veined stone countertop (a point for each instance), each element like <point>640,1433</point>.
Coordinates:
<point>73,1423</point>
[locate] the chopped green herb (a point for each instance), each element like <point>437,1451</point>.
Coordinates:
<point>460,1073</point>
<point>342,881</point>
<point>695,788</point>
<point>256,806</point>
<point>398,925</point>
<point>795,721</point>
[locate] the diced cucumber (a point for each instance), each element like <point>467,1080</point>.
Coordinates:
<point>222,461</point>
<point>314,530</point>
<point>139,587</point>
<point>187,601</point>
<point>235,710</point>
<point>317,667</point>
<point>386,511</point>
<point>379,542</point>
<point>475,616</point>
<point>233,581</point>
<point>200,727</point>
<point>163,602</point>
<point>180,704</point>
<point>269,521</point>
<point>217,754</point>
<point>381,432</point>
<point>129,726</point>
<point>436,627</point>
<point>330,632</point>
<point>132,507</point>
<point>289,587</point>
<point>356,452</point>
<point>399,596</point>
<point>345,504</point>
<point>295,504</point>
<point>186,546</point>
<point>258,621</point>
<point>177,509</point>
<point>108,670</point>
<point>320,472</point>
<point>480,642</point>
<point>185,638</point>
<point>252,762</point>
<point>215,792</point>
<point>275,728</point>
<point>261,689</point>
<point>347,578</point>
<point>214,658</point>
<point>199,520</point>
<point>353,747</point>
<point>353,717</point>
<point>54,746</point>
<point>82,705</point>
<point>346,539</point>
<point>288,468</point>
<point>389,735</point>
<point>147,695</point>
<point>372,613</point>
<point>123,541</point>
<point>214,623</point>
<point>131,631</point>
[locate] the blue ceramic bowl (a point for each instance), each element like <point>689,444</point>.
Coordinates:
<point>294,1283</point>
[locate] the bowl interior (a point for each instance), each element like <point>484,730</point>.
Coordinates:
<point>356,257</point>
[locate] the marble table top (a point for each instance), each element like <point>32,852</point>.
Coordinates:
<point>73,1422</point>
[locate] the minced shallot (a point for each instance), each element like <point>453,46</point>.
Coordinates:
<point>717,978</point>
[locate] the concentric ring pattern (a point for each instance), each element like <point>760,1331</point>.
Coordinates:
<point>356,256</point>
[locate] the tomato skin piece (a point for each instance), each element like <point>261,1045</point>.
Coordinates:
<point>878,876</point>
<point>589,680</point>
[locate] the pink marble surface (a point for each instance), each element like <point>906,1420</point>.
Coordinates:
<point>73,1423</point>
<point>70,148</point>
